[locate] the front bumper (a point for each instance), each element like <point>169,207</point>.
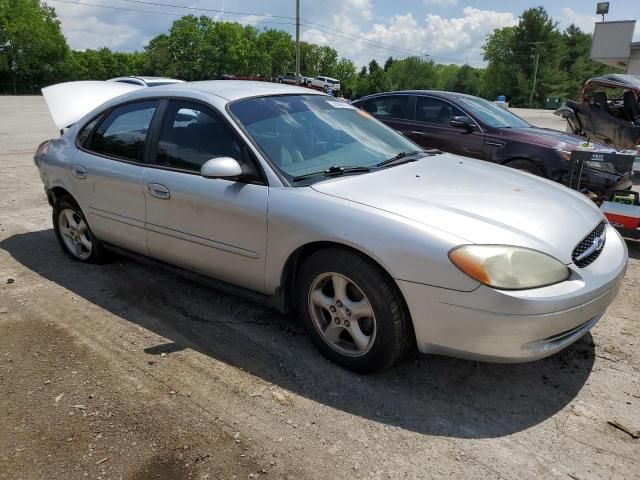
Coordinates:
<point>605,183</point>
<point>516,326</point>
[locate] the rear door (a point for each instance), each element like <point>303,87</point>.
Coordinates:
<point>107,173</point>
<point>214,226</point>
<point>431,128</point>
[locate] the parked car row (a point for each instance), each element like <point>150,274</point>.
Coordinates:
<point>326,84</point>
<point>313,206</point>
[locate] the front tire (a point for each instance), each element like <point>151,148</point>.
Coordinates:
<point>352,311</point>
<point>73,232</point>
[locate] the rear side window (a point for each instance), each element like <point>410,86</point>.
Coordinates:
<point>434,110</point>
<point>391,106</point>
<point>123,132</point>
<point>191,134</point>
<point>86,131</point>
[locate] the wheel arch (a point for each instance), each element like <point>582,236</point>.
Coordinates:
<point>297,258</point>
<point>539,164</point>
<point>57,192</point>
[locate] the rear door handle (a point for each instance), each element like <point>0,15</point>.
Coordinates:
<point>79,171</point>
<point>159,191</point>
<point>416,132</point>
<point>495,144</point>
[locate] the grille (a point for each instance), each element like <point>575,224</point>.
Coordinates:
<point>586,244</point>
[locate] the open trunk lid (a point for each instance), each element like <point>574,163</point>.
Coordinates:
<point>70,101</point>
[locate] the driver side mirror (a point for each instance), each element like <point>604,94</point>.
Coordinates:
<point>221,167</point>
<point>462,121</point>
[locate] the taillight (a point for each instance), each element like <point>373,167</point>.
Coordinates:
<point>42,149</point>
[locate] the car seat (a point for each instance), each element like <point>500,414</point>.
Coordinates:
<point>444,115</point>
<point>599,99</point>
<point>630,108</point>
<point>397,111</point>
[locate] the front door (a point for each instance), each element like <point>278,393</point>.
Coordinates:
<point>214,226</point>
<point>107,174</point>
<point>431,129</point>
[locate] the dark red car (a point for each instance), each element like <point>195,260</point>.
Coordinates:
<point>474,127</point>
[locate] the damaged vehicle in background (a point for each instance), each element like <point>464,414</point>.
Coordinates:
<point>606,110</point>
<point>310,205</point>
<point>474,127</point>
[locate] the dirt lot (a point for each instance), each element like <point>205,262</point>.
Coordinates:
<point>127,371</point>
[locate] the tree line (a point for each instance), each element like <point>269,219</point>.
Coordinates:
<point>34,53</point>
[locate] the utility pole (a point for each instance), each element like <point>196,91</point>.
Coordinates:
<point>535,72</point>
<point>297,42</point>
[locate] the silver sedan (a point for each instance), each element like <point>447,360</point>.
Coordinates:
<point>306,203</point>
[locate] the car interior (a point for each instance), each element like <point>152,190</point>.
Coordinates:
<point>615,102</point>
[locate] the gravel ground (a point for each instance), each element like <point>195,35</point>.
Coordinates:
<point>128,371</point>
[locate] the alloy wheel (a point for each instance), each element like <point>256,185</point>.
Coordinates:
<point>75,234</point>
<point>342,314</point>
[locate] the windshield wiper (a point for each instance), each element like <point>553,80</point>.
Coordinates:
<point>404,157</point>
<point>333,171</point>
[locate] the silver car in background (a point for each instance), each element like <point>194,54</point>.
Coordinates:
<point>317,208</point>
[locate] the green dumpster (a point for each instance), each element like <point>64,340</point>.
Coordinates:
<point>553,103</point>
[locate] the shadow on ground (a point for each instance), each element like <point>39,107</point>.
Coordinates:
<point>426,394</point>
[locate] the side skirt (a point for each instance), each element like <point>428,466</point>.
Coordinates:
<point>272,301</point>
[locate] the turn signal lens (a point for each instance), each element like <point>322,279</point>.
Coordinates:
<point>508,267</point>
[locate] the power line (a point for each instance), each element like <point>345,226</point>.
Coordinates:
<point>199,9</point>
<point>375,43</point>
<point>111,7</point>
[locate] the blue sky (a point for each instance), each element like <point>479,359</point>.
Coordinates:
<point>447,30</point>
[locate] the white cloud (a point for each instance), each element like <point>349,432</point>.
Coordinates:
<point>440,3</point>
<point>458,38</point>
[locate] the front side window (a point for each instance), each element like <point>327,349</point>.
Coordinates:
<point>191,134</point>
<point>391,106</point>
<point>491,114</point>
<point>304,134</point>
<point>435,110</point>
<point>123,132</point>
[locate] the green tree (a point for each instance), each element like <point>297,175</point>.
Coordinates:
<point>345,71</point>
<point>32,49</point>
<point>512,53</point>
<point>413,73</point>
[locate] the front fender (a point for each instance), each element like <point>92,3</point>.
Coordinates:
<point>406,249</point>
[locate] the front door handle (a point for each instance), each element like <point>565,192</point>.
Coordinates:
<point>159,191</point>
<point>79,171</point>
<point>418,133</point>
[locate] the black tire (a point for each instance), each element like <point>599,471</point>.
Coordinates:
<point>98,254</point>
<point>526,166</point>
<point>394,334</point>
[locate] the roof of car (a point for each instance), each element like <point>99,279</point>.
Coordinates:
<point>146,79</point>
<point>237,89</point>
<point>437,93</point>
<point>622,79</point>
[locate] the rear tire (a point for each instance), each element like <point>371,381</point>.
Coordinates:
<point>73,232</point>
<point>526,166</point>
<point>352,311</point>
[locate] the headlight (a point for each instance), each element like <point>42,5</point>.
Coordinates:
<point>507,267</point>
<point>604,166</point>
<point>565,154</point>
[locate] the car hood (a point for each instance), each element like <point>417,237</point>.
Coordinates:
<point>552,138</point>
<point>477,201</point>
<point>70,101</point>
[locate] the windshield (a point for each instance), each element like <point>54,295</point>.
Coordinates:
<point>304,134</point>
<point>491,114</point>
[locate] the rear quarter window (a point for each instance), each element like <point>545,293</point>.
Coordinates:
<point>123,132</point>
